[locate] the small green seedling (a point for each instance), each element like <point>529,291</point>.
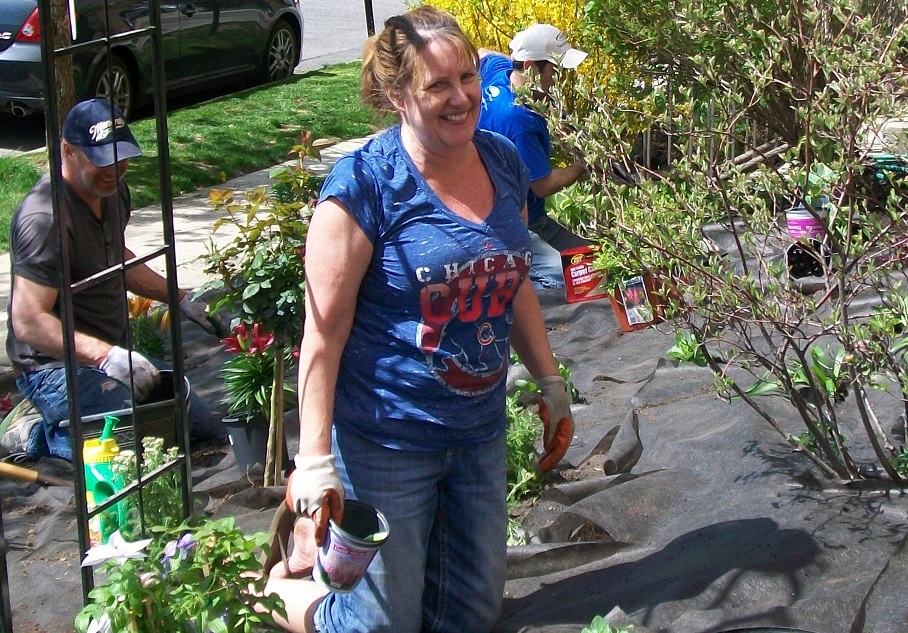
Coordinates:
<point>599,625</point>
<point>687,349</point>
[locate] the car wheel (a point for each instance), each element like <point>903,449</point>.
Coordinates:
<point>116,84</point>
<point>282,55</point>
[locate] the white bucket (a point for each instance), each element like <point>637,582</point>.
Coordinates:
<point>802,224</point>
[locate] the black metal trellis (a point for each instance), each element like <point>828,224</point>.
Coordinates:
<point>370,18</point>
<point>6,611</point>
<point>50,55</point>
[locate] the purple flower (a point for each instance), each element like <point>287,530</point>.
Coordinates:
<point>182,547</point>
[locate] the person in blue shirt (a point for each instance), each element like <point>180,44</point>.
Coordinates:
<point>417,262</point>
<point>535,52</point>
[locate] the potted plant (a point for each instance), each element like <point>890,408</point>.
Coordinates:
<point>807,219</point>
<point>639,297</point>
<point>203,576</point>
<point>248,379</point>
<point>632,264</point>
<point>642,284</point>
<point>148,323</point>
<point>260,272</point>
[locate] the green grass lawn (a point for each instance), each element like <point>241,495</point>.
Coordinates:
<point>17,176</point>
<point>224,138</point>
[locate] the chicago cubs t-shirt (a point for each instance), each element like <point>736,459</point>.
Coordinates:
<point>425,365</point>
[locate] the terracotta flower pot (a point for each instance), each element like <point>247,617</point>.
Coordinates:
<point>642,302</point>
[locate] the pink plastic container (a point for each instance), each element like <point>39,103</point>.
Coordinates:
<point>801,224</point>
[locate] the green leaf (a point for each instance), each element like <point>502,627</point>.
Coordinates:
<point>251,290</point>
<point>900,344</point>
<point>762,387</point>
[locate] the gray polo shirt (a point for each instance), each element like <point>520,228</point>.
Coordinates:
<point>98,310</point>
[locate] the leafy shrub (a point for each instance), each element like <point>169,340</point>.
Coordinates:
<point>162,498</point>
<point>817,79</point>
<point>201,576</point>
<point>492,24</point>
<point>524,479</point>
<point>260,273</point>
<point>687,349</point>
<point>525,482</point>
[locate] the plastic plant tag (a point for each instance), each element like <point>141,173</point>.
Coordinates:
<point>636,301</point>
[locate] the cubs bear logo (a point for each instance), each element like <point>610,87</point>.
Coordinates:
<point>477,293</point>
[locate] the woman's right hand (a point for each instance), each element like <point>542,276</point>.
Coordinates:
<point>314,490</point>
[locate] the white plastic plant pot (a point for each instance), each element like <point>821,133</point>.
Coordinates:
<point>802,224</point>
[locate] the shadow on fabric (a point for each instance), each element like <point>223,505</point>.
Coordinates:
<point>685,568</point>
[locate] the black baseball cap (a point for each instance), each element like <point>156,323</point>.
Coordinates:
<point>94,126</point>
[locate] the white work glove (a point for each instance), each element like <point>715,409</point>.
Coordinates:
<point>144,375</point>
<point>558,423</point>
<point>315,490</point>
<point>197,312</point>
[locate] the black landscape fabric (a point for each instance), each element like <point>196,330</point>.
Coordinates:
<point>679,512</point>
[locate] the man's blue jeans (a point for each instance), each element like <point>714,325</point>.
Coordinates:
<point>547,240</point>
<point>442,568</point>
<point>546,270</point>
<point>98,393</point>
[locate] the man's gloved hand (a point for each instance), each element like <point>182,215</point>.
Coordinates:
<point>315,490</point>
<point>555,411</point>
<point>144,375</point>
<point>197,312</point>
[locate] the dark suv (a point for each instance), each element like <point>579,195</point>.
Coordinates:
<point>205,42</point>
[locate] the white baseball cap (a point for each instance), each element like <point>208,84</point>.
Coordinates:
<point>545,42</point>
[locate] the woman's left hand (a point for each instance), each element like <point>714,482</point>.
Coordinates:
<point>558,423</point>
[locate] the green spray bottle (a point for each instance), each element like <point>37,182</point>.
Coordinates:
<point>101,483</point>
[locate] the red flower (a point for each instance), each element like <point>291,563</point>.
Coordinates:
<point>243,340</point>
<point>6,404</point>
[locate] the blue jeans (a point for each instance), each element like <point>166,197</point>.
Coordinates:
<point>545,270</point>
<point>98,393</point>
<point>443,566</point>
<point>547,240</point>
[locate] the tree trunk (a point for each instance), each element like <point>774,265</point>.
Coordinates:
<point>63,89</point>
